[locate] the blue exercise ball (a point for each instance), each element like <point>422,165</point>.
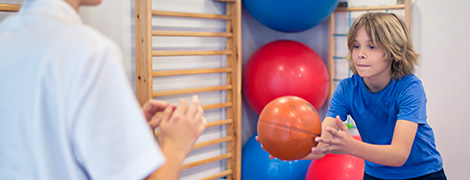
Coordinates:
<point>257,165</point>
<point>289,15</point>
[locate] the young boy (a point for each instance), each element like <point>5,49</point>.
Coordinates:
<point>387,102</point>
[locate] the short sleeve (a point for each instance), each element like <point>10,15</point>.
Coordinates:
<point>110,136</point>
<point>412,103</point>
<point>338,103</point>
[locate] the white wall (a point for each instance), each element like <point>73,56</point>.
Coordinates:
<point>440,32</point>
<point>115,19</point>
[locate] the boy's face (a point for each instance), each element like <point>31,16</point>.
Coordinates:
<point>368,58</point>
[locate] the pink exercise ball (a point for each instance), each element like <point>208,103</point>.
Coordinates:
<point>336,166</point>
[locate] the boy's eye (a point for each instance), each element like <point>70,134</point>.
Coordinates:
<point>355,46</point>
<point>372,47</point>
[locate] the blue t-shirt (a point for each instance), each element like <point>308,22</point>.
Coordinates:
<point>376,114</point>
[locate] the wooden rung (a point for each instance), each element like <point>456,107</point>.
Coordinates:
<point>191,34</point>
<point>398,6</point>
<point>209,124</point>
<point>206,161</point>
<point>190,90</point>
<point>10,7</point>
<point>219,123</point>
<point>218,175</point>
<point>216,106</point>
<point>190,71</point>
<point>191,53</point>
<point>212,142</point>
<point>190,15</point>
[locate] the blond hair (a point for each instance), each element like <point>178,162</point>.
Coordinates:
<point>388,32</point>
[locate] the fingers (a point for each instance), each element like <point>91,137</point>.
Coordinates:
<point>167,114</point>
<point>203,125</point>
<point>271,157</point>
<point>156,120</point>
<point>320,150</point>
<point>332,131</point>
<point>340,124</point>
<point>328,146</point>
<point>153,106</point>
<point>194,107</point>
<point>199,116</point>
<point>323,140</point>
<point>196,114</point>
<point>180,109</point>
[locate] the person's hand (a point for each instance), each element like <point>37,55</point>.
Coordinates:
<point>308,157</point>
<point>262,147</point>
<point>180,127</point>
<point>338,143</point>
<point>153,111</point>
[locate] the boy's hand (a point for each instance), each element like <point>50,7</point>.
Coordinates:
<point>339,141</point>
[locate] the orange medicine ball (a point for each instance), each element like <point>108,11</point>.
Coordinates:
<point>287,127</point>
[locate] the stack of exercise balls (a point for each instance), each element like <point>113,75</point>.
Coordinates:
<point>284,68</point>
<point>278,69</point>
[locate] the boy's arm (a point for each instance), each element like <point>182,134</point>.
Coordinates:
<point>395,154</point>
<point>327,122</point>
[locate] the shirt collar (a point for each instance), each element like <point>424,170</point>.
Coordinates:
<point>57,9</point>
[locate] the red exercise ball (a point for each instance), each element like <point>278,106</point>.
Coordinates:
<point>287,127</point>
<point>336,166</point>
<point>285,68</point>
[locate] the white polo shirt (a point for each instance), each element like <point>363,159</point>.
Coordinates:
<point>67,110</point>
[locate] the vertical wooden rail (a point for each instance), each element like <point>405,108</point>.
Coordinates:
<point>143,46</point>
<point>232,105</point>
<point>238,94</point>
<point>331,54</point>
<point>234,95</point>
<point>408,14</point>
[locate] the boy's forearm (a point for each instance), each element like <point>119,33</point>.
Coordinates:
<point>327,122</point>
<point>381,154</point>
<point>394,154</point>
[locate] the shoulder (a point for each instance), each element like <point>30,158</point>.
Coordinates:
<point>85,45</point>
<point>410,79</point>
<point>80,39</point>
<point>84,52</point>
<point>347,87</point>
<point>410,82</point>
<point>351,82</point>
<point>410,88</point>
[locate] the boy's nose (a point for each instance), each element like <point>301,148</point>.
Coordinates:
<point>361,54</point>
